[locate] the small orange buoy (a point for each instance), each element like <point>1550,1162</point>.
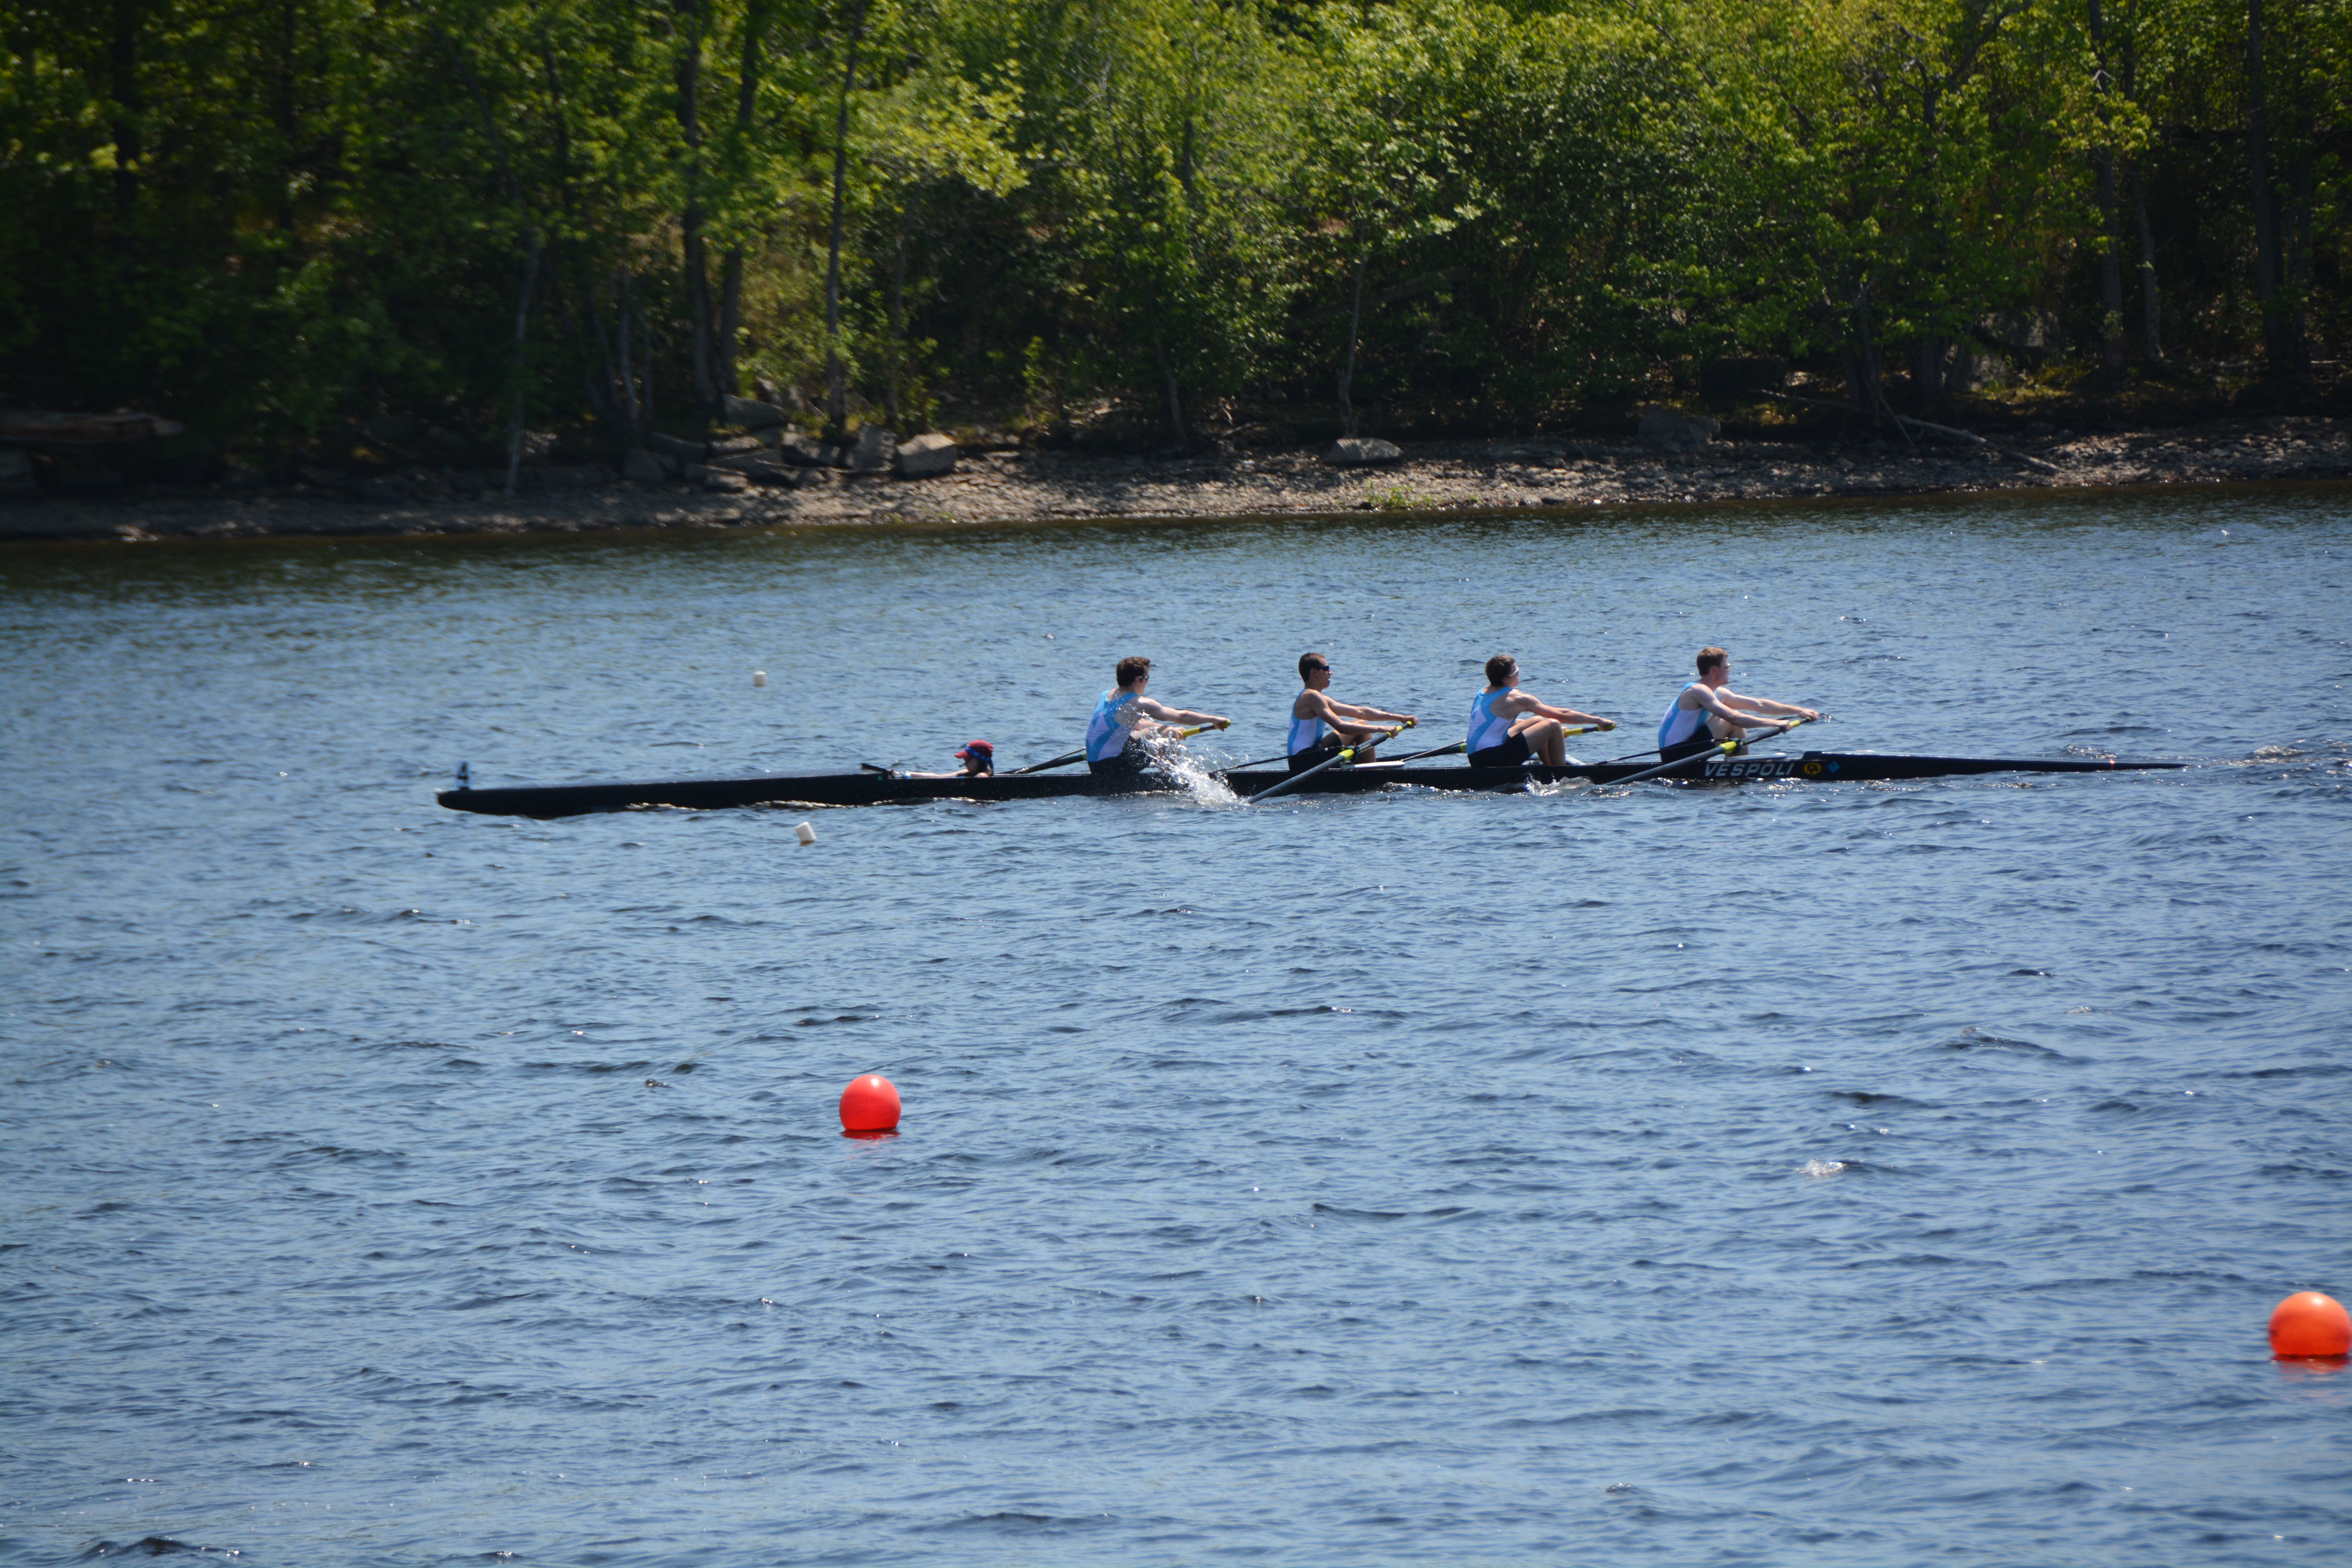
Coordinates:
<point>2310,1324</point>
<point>870,1104</point>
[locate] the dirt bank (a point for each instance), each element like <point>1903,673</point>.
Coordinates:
<point>1006,487</point>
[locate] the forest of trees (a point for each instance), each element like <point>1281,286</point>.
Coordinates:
<point>280,220</point>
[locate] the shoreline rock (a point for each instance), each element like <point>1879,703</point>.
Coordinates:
<point>1019,487</point>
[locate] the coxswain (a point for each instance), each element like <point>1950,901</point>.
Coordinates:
<point>1707,712</point>
<point>979,759</point>
<point>1126,715</point>
<point>1508,726</point>
<point>1313,713</point>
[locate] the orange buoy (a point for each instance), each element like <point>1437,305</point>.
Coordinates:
<point>2310,1324</point>
<point>870,1104</point>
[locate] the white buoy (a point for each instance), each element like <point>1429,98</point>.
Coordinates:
<point>806,834</point>
<point>758,678</point>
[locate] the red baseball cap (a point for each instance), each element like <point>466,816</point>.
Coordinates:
<point>979,749</point>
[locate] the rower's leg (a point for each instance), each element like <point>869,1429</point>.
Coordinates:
<point>1544,738</point>
<point>1723,729</point>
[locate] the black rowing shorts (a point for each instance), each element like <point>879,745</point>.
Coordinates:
<point>1702,741</point>
<point>1323,750</point>
<point>1509,754</point>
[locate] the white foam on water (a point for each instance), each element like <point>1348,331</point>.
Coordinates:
<point>1168,754</point>
<point>1820,1168</point>
<point>1561,786</point>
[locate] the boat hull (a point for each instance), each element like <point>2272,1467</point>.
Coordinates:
<point>885,789</point>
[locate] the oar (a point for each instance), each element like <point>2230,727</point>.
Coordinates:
<point>1725,747</point>
<point>1061,761</point>
<point>1080,754</point>
<point>1416,756</point>
<point>1653,750</point>
<point>1285,756</point>
<point>1580,730</point>
<point>1345,754</point>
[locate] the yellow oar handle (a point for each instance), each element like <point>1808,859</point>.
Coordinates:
<point>1200,729</point>
<point>1727,747</point>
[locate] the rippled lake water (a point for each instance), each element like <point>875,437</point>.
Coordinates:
<point>1850,1174</point>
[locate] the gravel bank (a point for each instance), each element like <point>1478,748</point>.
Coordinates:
<point>1008,486</point>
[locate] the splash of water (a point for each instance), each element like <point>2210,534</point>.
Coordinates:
<point>1168,756</point>
<point>1820,1168</point>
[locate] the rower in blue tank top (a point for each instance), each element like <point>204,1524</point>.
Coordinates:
<point>1509,726</point>
<point>1707,712</point>
<point>1126,714</point>
<point>1313,710</point>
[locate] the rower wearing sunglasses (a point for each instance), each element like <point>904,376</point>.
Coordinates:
<point>1320,726</point>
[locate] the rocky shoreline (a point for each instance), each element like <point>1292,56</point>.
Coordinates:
<point>1008,486</point>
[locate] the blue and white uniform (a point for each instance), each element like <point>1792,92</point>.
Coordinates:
<point>1109,730</point>
<point>1488,729</point>
<point>1304,732</point>
<point>1682,723</point>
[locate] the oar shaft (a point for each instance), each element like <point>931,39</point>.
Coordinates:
<point>1724,747</point>
<point>1346,755</point>
<point>1067,758</point>
<point>1434,752</point>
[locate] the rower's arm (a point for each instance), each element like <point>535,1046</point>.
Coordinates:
<point>1359,712</point>
<point>1167,715</point>
<point>1716,702</point>
<point>1570,716</point>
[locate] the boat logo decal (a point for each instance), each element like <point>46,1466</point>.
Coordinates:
<point>1812,770</point>
<point>1752,768</point>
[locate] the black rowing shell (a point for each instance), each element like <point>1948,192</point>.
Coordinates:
<point>883,789</point>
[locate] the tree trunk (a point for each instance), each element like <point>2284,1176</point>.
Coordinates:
<point>2111,275</point>
<point>731,320</point>
<point>1865,385</point>
<point>1931,365</point>
<point>616,395</point>
<point>1168,382</point>
<point>645,376</point>
<point>1347,371</point>
<point>2151,344</point>
<point>731,284</point>
<point>2275,348</point>
<point>690,221</point>
<point>522,331</point>
<point>122,88</point>
<point>628,373</point>
<point>898,320</point>
<point>286,125</point>
<point>2298,260</point>
<point>837,387</point>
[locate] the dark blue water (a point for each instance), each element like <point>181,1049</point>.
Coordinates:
<point>1848,1174</point>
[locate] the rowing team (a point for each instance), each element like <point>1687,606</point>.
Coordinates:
<point>1508,726</point>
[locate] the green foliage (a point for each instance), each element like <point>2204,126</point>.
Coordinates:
<point>279,220</point>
